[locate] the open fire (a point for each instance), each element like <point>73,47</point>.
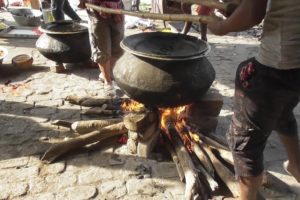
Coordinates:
<point>202,159</point>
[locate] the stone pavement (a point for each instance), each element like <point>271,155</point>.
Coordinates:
<point>36,96</point>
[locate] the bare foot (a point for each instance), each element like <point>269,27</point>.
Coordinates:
<point>292,170</point>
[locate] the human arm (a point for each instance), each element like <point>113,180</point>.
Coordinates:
<point>248,14</point>
<point>186,9</point>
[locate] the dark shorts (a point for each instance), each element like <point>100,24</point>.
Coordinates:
<point>264,101</point>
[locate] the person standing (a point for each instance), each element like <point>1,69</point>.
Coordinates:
<point>267,89</point>
<point>61,7</point>
<point>107,31</point>
<point>201,10</point>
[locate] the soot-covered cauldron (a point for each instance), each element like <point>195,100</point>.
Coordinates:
<point>64,42</point>
<point>164,69</point>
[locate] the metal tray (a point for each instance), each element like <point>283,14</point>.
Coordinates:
<point>19,32</point>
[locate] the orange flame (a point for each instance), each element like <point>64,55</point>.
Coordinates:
<point>176,115</point>
<point>132,106</point>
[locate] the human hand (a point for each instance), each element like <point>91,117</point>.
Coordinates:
<point>217,28</point>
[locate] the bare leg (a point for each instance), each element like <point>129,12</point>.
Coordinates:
<point>291,145</point>
<point>203,32</point>
<point>249,187</point>
<point>106,70</point>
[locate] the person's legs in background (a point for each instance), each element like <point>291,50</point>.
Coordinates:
<point>68,10</point>
<point>203,32</point>
<point>101,48</point>
<point>117,35</point>
<point>57,6</point>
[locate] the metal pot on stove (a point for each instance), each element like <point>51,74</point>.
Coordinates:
<point>164,69</point>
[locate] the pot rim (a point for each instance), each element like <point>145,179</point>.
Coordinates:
<point>154,56</point>
<point>44,29</point>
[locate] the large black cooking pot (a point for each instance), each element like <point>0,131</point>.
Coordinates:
<point>64,42</point>
<point>164,69</point>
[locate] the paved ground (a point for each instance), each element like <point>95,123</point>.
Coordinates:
<point>27,109</point>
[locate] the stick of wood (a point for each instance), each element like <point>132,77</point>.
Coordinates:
<point>61,148</point>
<point>87,126</point>
<point>224,173</point>
<point>227,7</point>
<point>209,138</point>
<point>165,17</point>
<point>175,159</point>
<point>192,183</point>
<point>211,183</point>
<point>101,111</point>
<point>79,100</point>
<point>204,158</point>
<point>62,123</point>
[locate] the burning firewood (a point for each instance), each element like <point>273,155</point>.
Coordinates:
<point>174,157</point>
<point>226,175</point>
<point>61,148</point>
<point>208,170</point>
<point>87,126</point>
<point>209,138</point>
<point>193,185</point>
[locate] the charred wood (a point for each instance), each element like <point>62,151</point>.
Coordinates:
<point>174,157</point>
<point>226,175</point>
<point>193,185</point>
<point>204,159</point>
<point>210,139</point>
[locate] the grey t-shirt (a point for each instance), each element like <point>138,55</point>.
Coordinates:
<point>280,44</point>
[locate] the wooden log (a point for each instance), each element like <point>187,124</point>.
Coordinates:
<point>226,155</point>
<point>138,122</point>
<point>148,132</point>
<point>87,126</point>
<point>203,158</point>
<point>88,101</point>
<point>59,149</point>
<point>210,139</point>
<point>193,184</point>
<point>224,173</point>
<point>207,170</point>
<point>63,123</point>
<point>144,148</point>
<point>174,157</point>
<point>165,17</point>
<point>101,111</point>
